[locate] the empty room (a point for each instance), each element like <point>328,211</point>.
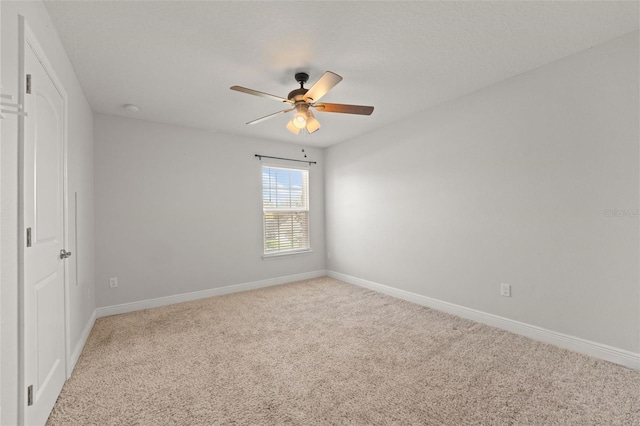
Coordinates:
<point>319,213</point>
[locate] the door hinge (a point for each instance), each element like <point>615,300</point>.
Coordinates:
<point>29,83</point>
<point>29,237</point>
<point>30,395</point>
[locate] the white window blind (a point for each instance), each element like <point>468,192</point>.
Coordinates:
<point>285,206</point>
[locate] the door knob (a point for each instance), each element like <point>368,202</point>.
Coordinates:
<point>64,254</point>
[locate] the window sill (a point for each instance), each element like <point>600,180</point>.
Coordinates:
<point>272,256</point>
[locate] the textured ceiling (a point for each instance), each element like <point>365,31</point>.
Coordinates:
<point>177,59</point>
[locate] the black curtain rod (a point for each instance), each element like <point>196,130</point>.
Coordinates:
<point>288,159</point>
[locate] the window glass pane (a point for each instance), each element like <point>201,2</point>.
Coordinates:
<point>284,188</point>
<point>286,231</point>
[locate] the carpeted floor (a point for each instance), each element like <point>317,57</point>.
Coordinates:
<point>323,352</point>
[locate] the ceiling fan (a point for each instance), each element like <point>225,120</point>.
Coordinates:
<point>302,100</point>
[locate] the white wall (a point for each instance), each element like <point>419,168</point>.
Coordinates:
<point>179,210</point>
<point>80,180</point>
<point>509,184</point>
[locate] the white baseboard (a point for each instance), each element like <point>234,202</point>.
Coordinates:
<point>576,344</point>
<point>80,344</point>
<point>218,291</point>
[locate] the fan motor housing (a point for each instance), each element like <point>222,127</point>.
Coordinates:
<point>297,95</point>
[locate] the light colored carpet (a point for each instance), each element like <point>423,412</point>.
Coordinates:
<point>325,352</point>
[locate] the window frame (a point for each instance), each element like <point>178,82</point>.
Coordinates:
<point>289,252</point>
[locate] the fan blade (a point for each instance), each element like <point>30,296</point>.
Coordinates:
<point>345,109</point>
<point>322,86</point>
<point>266,117</point>
<point>261,94</point>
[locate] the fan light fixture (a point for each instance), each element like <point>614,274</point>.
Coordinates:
<point>304,119</point>
<point>300,119</point>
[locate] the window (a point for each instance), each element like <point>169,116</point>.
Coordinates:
<point>285,206</point>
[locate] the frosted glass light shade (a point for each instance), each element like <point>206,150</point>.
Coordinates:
<point>312,124</point>
<point>293,129</point>
<point>300,120</point>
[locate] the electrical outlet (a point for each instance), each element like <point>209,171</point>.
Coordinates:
<point>505,290</point>
<point>113,282</point>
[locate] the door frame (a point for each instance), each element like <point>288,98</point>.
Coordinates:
<point>1,343</point>
<point>28,40</point>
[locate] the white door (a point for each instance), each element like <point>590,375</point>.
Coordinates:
<point>44,271</point>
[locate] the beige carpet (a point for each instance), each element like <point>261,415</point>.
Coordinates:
<point>323,352</point>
